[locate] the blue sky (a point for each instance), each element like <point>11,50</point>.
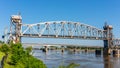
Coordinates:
<point>92,12</point>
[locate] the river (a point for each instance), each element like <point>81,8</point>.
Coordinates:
<point>54,58</point>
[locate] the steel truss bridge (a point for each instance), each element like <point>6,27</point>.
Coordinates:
<point>62,29</point>
<point>59,29</point>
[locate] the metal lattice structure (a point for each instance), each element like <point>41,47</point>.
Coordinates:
<point>116,42</point>
<point>59,29</point>
<point>62,29</point>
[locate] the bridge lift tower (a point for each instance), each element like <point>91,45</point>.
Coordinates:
<point>108,42</point>
<point>15,28</point>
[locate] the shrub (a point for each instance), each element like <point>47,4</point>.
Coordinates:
<point>4,48</point>
<point>18,57</point>
<point>29,49</point>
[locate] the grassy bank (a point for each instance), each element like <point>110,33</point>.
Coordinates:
<point>15,56</point>
<point>1,55</point>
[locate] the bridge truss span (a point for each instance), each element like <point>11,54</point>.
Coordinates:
<point>62,29</point>
<point>59,29</point>
<point>116,42</point>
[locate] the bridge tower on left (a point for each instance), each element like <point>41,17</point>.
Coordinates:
<point>15,28</point>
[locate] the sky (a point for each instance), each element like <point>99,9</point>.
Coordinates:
<point>91,12</point>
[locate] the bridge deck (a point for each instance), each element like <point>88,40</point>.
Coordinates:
<point>64,37</point>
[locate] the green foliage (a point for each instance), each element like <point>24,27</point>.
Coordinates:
<point>71,65</point>
<point>17,53</point>
<point>4,48</point>
<point>28,62</point>
<point>18,57</point>
<point>29,49</point>
<point>19,65</point>
<point>1,55</point>
<point>22,58</point>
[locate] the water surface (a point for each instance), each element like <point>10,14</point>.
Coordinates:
<point>54,58</point>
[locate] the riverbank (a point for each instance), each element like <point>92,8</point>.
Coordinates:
<point>15,56</point>
<point>1,55</point>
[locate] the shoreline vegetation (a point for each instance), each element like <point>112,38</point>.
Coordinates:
<point>15,56</point>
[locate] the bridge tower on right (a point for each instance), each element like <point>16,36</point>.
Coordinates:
<point>108,38</point>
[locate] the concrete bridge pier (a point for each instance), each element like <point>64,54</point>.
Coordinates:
<point>86,50</point>
<point>45,49</point>
<point>98,52</point>
<point>62,49</point>
<point>116,53</point>
<point>75,49</point>
<point>107,51</point>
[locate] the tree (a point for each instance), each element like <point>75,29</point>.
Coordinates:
<point>19,57</point>
<point>17,53</point>
<point>4,48</point>
<point>29,49</point>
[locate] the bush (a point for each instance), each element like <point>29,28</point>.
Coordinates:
<point>29,49</point>
<point>28,62</point>
<point>4,48</point>
<point>20,58</point>
<point>17,53</point>
<point>71,65</point>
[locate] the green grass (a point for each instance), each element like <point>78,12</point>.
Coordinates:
<point>8,59</point>
<point>13,66</point>
<point>8,66</point>
<point>1,55</point>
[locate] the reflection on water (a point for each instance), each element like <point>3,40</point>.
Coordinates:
<point>107,62</point>
<point>54,59</point>
<point>111,62</point>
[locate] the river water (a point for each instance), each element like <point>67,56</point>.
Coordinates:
<point>54,58</point>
